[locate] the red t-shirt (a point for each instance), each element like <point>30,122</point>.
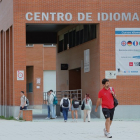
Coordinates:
<point>107,98</point>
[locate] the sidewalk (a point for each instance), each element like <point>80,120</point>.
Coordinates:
<point>58,130</point>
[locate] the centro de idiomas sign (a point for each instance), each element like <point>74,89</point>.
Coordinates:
<point>53,16</point>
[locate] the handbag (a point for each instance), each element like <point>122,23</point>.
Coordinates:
<point>115,100</point>
<point>83,105</point>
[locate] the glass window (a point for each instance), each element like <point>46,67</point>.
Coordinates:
<point>66,41</point>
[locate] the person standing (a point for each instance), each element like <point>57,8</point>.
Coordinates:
<point>23,105</point>
<point>74,107</point>
<point>54,106</point>
<point>88,107</point>
<point>50,105</point>
<point>106,95</point>
<point>65,103</point>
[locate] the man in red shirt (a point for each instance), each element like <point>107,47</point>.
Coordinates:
<point>106,96</point>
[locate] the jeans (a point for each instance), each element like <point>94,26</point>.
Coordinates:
<point>54,110</point>
<point>51,109</point>
<point>65,113</point>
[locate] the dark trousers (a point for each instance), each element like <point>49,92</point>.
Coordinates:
<point>65,113</point>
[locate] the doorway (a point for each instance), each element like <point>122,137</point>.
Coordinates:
<point>75,79</point>
<point>29,84</point>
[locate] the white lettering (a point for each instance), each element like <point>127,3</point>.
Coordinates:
<point>81,18</point>
<point>60,16</point>
<point>36,16</point>
<point>135,16</point>
<point>126,17</point>
<point>110,16</point>
<point>116,16</point>
<point>42,16</point>
<point>52,15</point>
<point>104,16</point>
<point>45,16</point>
<point>27,16</point>
<point>88,16</point>
<point>70,16</point>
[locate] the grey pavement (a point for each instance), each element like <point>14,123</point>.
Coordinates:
<point>59,130</point>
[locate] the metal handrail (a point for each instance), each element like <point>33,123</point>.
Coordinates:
<point>61,94</point>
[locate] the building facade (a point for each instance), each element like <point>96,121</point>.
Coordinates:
<point>40,35</point>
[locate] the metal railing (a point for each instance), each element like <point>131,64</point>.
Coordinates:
<point>60,95</point>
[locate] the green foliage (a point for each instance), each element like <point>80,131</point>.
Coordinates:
<point>9,118</point>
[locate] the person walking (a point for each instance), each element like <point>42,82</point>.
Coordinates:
<point>106,96</point>
<point>74,108</point>
<point>88,107</point>
<point>50,105</point>
<point>65,103</point>
<point>23,105</point>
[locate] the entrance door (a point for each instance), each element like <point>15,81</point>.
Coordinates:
<point>75,79</point>
<point>49,80</point>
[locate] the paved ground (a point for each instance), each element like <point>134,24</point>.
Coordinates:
<point>58,130</point>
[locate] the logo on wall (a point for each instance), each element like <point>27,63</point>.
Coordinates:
<point>123,43</point>
<point>126,71</point>
<point>135,43</point>
<point>129,43</point>
<point>130,63</point>
<point>20,75</point>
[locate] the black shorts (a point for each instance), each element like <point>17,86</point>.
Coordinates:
<point>24,108</point>
<point>108,113</point>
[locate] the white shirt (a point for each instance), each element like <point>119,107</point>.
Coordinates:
<point>50,99</point>
<point>61,103</point>
<point>23,100</point>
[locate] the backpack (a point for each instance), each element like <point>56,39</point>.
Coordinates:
<point>115,100</point>
<point>65,103</point>
<point>55,101</point>
<point>27,101</point>
<point>75,103</point>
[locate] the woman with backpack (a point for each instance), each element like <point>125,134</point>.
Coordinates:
<point>65,103</point>
<point>87,107</point>
<point>74,107</point>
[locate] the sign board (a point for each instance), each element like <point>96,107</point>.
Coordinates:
<point>38,87</point>
<point>86,60</point>
<point>79,16</point>
<point>20,75</point>
<point>38,81</point>
<point>127,51</point>
<point>110,74</point>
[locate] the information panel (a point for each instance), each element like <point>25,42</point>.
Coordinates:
<point>127,43</point>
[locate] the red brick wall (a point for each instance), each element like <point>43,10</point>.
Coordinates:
<point>1,71</point>
<point>7,90</point>
<point>27,115</point>
<point>49,58</point>
<point>105,50</point>
<point>41,58</point>
<point>11,49</point>
<point>6,59</point>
